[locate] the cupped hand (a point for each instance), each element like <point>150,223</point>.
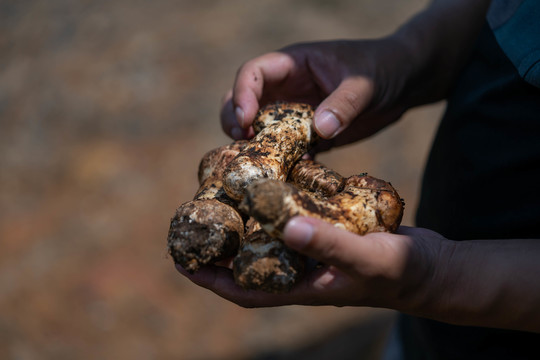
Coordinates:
<point>360,85</point>
<point>377,269</point>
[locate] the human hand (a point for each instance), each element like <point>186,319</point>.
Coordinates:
<point>378,269</point>
<point>415,271</point>
<point>359,85</point>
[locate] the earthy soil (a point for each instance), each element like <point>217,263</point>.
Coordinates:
<point>106,108</point>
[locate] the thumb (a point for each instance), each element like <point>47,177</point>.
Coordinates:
<point>342,106</point>
<point>326,243</point>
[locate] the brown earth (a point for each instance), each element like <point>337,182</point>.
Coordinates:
<point>106,108</point>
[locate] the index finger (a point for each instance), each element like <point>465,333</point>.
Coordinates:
<point>251,80</point>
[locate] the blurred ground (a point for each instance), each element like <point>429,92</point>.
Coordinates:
<point>105,110</point>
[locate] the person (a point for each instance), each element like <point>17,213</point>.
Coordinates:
<point>467,279</point>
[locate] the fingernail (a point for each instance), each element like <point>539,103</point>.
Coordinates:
<point>298,233</point>
<point>327,124</point>
<point>237,133</point>
<point>239,115</point>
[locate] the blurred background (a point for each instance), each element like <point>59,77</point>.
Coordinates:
<point>106,108</point>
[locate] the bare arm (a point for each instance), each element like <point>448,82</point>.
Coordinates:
<point>492,283</point>
<point>439,41</point>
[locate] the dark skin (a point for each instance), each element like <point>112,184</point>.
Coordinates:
<point>323,75</point>
<point>363,86</point>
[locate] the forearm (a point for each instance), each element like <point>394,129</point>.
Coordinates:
<point>491,283</point>
<point>438,42</point>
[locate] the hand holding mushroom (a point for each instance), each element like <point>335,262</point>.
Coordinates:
<point>253,175</point>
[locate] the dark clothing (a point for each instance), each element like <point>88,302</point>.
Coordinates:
<point>516,25</point>
<point>482,178</point>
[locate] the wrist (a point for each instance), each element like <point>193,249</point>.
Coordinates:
<point>411,58</point>
<point>409,275</point>
<point>437,49</point>
<point>437,289</point>
<point>426,276</point>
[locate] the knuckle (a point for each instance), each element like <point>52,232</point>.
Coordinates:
<point>327,246</point>
<point>353,95</point>
<point>248,69</point>
<point>246,65</point>
<point>332,247</point>
<point>352,101</point>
